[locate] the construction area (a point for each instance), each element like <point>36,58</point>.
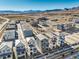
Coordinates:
<point>39,36</point>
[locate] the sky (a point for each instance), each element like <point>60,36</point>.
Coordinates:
<point>37,4</point>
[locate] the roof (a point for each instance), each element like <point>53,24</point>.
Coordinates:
<point>25,27</point>
<point>27,33</point>
<point>43,18</point>
<point>49,35</point>
<point>18,42</point>
<point>72,39</point>
<point>41,37</point>
<point>9,34</point>
<point>69,41</point>
<point>8,44</point>
<point>30,38</point>
<point>11,26</point>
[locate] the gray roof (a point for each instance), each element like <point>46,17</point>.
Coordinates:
<point>11,26</point>
<point>9,35</point>
<point>25,26</point>
<point>27,31</point>
<point>8,44</point>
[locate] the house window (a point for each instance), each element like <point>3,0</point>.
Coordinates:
<point>22,52</point>
<point>8,50</point>
<point>47,45</point>
<point>30,45</point>
<point>34,50</point>
<point>18,47</point>
<point>31,53</point>
<point>3,50</point>
<point>9,56</point>
<point>53,42</point>
<point>18,53</point>
<point>0,51</point>
<point>31,49</point>
<point>53,47</point>
<point>21,47</point>
<point>4,57</point>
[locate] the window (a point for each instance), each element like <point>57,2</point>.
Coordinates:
<point>3,50</point>
<point>18,53</point>
<point>31,49</point>
<point>0,51</point>
<point>21,47</point>
<point>8,50</point>
<point>9,56</point>
<point>31,53</point>
<point>4,57</point>
<point>22,52</point>
<point>30,45</point>
<point>53,47</point>
<point>53,42</point>
<point>34,49</point>
<point>47,45</point>
<point>18,47</point>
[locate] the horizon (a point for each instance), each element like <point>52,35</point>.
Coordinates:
<point>34,10</point>
<point>25,5</point>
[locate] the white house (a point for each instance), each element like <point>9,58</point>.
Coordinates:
<point>31,46</point>
<point>19,50</point>
<point>27,31</point>
<point>6,50</point>
<point>61,39</point>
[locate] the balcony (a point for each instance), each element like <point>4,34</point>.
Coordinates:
<point>20,49</point>
<point>5,54</point>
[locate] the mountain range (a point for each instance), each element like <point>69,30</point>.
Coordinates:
<point>36,11</point>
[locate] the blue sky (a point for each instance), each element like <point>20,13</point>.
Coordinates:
<point>37,4</point>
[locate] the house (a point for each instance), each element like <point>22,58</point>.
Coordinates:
<point>11,26</point>
<point>42,42</point>
<point>6,51</point>
<point>52,40</point>
<point>31,46</point>
<point>43,21</point>
<point>9,35</point>
<point>65,25</point>
<point>61,39</point>
<point>27,31</point>
<point>19,50</point>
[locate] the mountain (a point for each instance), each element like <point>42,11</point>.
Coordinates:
<point>36,11</point>
<point>18,12</point>
<point>10,12</point>
<point>73,8</point>
<point>53,10</point>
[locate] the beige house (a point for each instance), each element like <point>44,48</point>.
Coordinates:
<point>42,42</point>
<point>52,40</point>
